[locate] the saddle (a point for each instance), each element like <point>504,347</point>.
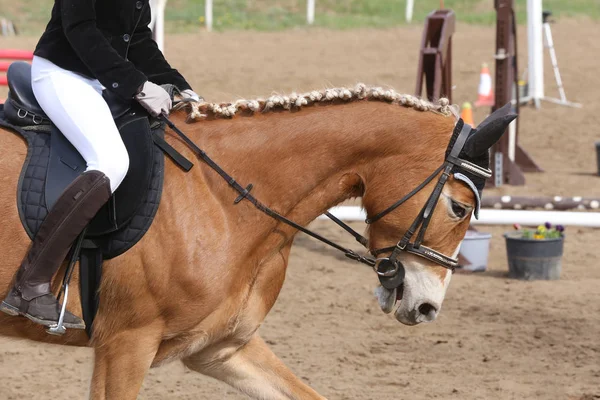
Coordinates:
<point>52,163</point>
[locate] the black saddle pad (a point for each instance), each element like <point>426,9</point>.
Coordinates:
<point>52,163</point>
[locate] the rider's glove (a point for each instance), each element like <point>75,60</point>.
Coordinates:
<point>154,98</point>
<point>190,94</point>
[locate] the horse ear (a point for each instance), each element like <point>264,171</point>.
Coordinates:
<point>489,131</point>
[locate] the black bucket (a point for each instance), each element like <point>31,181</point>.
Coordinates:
<point>531,259</point>
<point>598,156</point>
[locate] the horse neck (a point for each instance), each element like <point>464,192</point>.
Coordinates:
<point>302,163</point>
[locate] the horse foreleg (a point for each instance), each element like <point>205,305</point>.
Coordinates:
<point>121,364</point>
<point>255,371</point>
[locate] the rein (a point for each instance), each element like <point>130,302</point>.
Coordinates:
<point>389,269</point>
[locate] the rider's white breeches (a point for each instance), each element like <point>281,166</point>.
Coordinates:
<point>75,105</point>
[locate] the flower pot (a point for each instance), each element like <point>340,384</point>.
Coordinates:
<point>531,259</point>
<point>598,156</point>
<point>474,250</point>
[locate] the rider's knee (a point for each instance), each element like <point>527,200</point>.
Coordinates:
<point>115,166</point>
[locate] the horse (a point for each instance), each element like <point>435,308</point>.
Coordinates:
<point>198,285</point>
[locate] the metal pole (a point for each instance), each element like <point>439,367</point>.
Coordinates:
<point>512,140</point>
<point>310,12</point>
<point>157,23</point>
<point>550,44</point>
<point>410,5</point>
<point>535,51</point>
<point>160,25</point>
<point>208,14</point>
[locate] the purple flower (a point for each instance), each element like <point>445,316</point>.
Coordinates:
<point>548,225</point>
<point>560,228</point>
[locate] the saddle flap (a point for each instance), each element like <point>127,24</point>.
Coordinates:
<point>64,166</point>
<point>136,135</point>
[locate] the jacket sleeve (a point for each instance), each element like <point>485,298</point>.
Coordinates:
<point>147,57</point>
<point>112,70</point>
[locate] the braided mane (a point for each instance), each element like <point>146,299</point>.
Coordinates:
<point>295,101</point>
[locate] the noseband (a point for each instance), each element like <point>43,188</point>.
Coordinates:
<point>389,269</point>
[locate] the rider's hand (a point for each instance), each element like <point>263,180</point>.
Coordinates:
<point>190,94</point>
<point>154,98</point>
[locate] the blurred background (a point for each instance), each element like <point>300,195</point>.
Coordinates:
<point>267,15</point>
<point>497,337</point>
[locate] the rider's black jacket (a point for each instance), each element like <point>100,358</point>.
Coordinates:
<point>108,40</point>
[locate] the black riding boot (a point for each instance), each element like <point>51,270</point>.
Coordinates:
<point>31,294</point>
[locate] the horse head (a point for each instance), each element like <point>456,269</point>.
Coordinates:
<point>430,240</point>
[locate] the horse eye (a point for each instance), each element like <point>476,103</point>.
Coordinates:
<point>458,210</point>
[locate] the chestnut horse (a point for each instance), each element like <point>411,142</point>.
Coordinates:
<point>199,284</point>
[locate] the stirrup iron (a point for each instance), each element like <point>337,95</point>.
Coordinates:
<point>58,329</point>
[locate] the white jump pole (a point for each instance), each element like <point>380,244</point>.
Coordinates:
<point>310,12</point>
<point>498,217</point>
<point>208,14</point>
<point>410,5</point>
<point>535,51</point>
<point>536,218</point>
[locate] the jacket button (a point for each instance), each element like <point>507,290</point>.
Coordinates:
<point>115,85</point>
<point>126,37</point>
<point>139,5</point>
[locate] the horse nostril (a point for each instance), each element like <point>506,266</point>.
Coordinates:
<point>427,309</point>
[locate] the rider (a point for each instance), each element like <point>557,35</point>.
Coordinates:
<point>88,45</point>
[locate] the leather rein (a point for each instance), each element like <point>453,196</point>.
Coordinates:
<point>389,269</point>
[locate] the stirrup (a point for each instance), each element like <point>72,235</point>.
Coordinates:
<point>59,329</point>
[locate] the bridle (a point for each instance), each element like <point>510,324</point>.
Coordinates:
<point>389,269</point>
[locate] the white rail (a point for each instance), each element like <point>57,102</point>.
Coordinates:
<point>499,217</point>
<point>158,18</point>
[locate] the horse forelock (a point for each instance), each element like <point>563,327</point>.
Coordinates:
<point>294,101</point>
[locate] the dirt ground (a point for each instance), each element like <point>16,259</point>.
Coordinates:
<point>496,338</point>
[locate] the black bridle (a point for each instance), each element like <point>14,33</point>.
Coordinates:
<point>389,269</point>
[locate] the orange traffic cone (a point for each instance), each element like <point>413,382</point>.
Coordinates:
<point>485,92</point>
<point>467,114</point>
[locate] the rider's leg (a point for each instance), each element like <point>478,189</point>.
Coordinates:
<point>75,105</point>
